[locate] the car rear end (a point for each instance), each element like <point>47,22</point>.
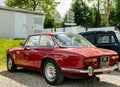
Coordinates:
<point>98,62</point>
<point>101,64</point>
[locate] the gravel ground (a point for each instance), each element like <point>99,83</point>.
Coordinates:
<point>26,78</point>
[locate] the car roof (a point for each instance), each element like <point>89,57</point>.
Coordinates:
<point>87,32</point>
<point>48,33</point>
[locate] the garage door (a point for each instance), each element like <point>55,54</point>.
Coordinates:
<point>20,25</point>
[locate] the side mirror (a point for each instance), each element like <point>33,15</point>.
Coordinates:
<point>21,44</point>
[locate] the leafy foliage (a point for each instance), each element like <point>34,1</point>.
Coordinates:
<point>84,15</point>
<point>108,15</point>
<point>114,14</point>
<point>117,21</point>
<point>27,4</point>
<point>52,19</point>
<point>48,21</point>
<point>96,20</point>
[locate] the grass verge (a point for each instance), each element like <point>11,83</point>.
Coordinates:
<point>4,45</point>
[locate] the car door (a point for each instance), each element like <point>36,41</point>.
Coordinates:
<point>35,53</point>
<point>46,45</point>
<point>29,50</point>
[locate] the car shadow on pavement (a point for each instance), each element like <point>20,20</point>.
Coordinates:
<point>27,78</point>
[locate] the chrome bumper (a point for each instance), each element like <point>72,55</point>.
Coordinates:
<point>90,71</point>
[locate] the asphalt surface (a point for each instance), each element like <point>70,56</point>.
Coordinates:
<point>27,78</point>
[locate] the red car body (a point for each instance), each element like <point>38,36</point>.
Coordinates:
<point>72,61</point>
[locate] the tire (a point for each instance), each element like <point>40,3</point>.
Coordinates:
<point>11,67</point>
<point>52,73</point>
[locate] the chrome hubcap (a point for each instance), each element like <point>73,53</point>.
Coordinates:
<point>50,71</point>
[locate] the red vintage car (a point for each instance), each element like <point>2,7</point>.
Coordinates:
<point>57,55</point>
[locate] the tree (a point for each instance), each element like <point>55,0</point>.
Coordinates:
<point>96,20</point>
<point>96,12</point>
<point>115,13</point>
<point>53,19</point>
<point>107,14</point>
<point>43,5</point>
<point>118,14</point>
<point>27,4</point>
<point>49,21</point>
<point>83,15</point>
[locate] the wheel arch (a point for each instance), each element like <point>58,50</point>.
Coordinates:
<point>45,59</point>
<point>8,54</point>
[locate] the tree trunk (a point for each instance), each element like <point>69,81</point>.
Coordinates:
<point>107,13</point>
<point>98,14</point>
<point>34,5</point>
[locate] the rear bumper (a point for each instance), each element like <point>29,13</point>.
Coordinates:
<point>90,71</point>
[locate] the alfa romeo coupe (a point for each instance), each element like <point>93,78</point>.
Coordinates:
<point>59,55</point>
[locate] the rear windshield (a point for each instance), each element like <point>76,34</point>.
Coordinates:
<point>71,40</point>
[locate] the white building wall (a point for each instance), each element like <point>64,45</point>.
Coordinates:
<point>29,25</point>
<point>9,28</point>
<point>20,25</point>
<point>6,24</point>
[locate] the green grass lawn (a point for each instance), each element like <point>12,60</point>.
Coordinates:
<point>4,45</point>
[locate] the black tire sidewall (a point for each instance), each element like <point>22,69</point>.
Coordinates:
<point>13,68</point>
<point>58,73</point>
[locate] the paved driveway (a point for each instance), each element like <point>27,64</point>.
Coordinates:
<point>26,78</point>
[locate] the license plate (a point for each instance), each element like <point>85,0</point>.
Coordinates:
<point>104,61</point>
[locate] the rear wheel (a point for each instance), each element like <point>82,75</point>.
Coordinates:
<point>11,65</point>
<point>52,73</point>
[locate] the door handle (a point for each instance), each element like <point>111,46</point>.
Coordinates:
<point>32,50</point>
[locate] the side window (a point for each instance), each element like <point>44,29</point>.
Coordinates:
<point>90,38</point>
<point>46,40</point>
<point>32,41</point>
<point>101,38</point>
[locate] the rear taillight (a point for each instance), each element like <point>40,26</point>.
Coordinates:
<point>114,58</point>
<point>90,61</point>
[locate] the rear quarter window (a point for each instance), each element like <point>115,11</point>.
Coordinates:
<point>105,38</point>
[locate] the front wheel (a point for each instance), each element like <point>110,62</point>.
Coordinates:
<point>52,73</point>
<point>11,65</point>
